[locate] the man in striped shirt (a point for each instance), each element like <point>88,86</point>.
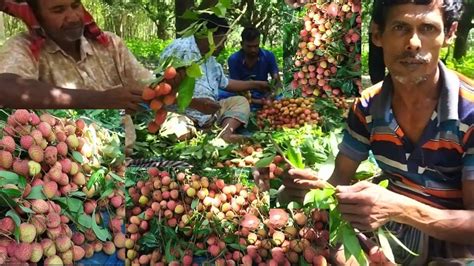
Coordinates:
<point>419,124</point>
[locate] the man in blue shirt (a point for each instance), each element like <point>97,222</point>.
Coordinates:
<point>252,63</point>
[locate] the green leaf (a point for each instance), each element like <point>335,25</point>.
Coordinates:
<point>195,203</point>
<point>8,178</point>
<point>384,183</point>
<point>295,158</point>
<point>219,10</point>
<point>194,71</point>
<point>79,194</point>
<point>106,193</point>
<point>96,177</point>
<point>385,245</point>
<point>320,198</point>
<point>265,162</point>
<point>26,210</point>
<point>6,201</point>
<point>116,177</point>
<point>36,193</point>
<point>185,93</point>
<point>12,193</point>
<point>14,216</point>
<point>226,3</point>
<point>237,247</point>
<point>22,182</point>
<point>293,205</point>
<point>77,156</point>
<point>101,233</point>
<point>74,206</point>
<point>273,192</point>
<point>189,15</point>
<point>352,245</point>
<point>168,255</point>
<point>396,240</point>
<point>85,220</point>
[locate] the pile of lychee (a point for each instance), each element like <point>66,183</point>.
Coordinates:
<point>54,158</point>
<point>249,155</point>
<point>315,60</point>
<point>288,113</point>
<point>242,228</point>
<point>158,96</point>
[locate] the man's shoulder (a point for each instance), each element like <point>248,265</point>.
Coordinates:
<point>267,52</point>
<point>20,39</point>
<point>371,92</point>
<point>235,56</point>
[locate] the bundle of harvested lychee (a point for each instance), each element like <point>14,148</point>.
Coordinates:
<point>49,204</point>
<point>208,220</point>
<point>316,60</point>
<point>158,96</point>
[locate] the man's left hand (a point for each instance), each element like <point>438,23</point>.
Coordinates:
<point>367,206</point>
<point>262,86</point>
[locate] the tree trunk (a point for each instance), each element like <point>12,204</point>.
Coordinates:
<point>465,24</point>
<point>2,27</point>
<point>180,7</point>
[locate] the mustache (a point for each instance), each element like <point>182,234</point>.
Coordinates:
<point>73,26</point>
<point>408,56</point>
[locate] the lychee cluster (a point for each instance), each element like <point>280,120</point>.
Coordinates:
<point>288,113</point>
<point>159,96</point>
<point>229,224</point>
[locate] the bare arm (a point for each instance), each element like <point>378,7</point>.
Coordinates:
<point>344,170</point>
<point>18,92</point>
<point>240,85</point>
<point>448,225</point>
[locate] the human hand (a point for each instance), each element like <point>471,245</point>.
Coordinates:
<point>205,105</point>
<point>176,81</point>
<point>298,182</point>
<point>124,98</point>
<point>261,178</point>
<point>367,206</point>
<point>263,86</point>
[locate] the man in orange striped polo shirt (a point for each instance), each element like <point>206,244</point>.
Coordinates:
<point>419,124</point>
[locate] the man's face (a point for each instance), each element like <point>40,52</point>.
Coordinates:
<point>251,48</point>
<point>62,19</point>
<point>411,41</point>
<point>219,41</point>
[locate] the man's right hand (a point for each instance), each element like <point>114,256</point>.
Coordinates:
<point>124,98</point>
<point>205,105</point>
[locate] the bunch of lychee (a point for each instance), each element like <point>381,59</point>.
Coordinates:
<point>40,149</point>
<point>158,96</point>
<point>315,59</point>
<point>288,113</point>
<point>240,213</point>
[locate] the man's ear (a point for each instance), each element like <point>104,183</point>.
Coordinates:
<point>451,36</point>
<point>376,34</point>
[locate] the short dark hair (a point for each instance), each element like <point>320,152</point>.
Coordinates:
<point>250,34</point>
<point>451,9</point>
<point>214,22</point>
